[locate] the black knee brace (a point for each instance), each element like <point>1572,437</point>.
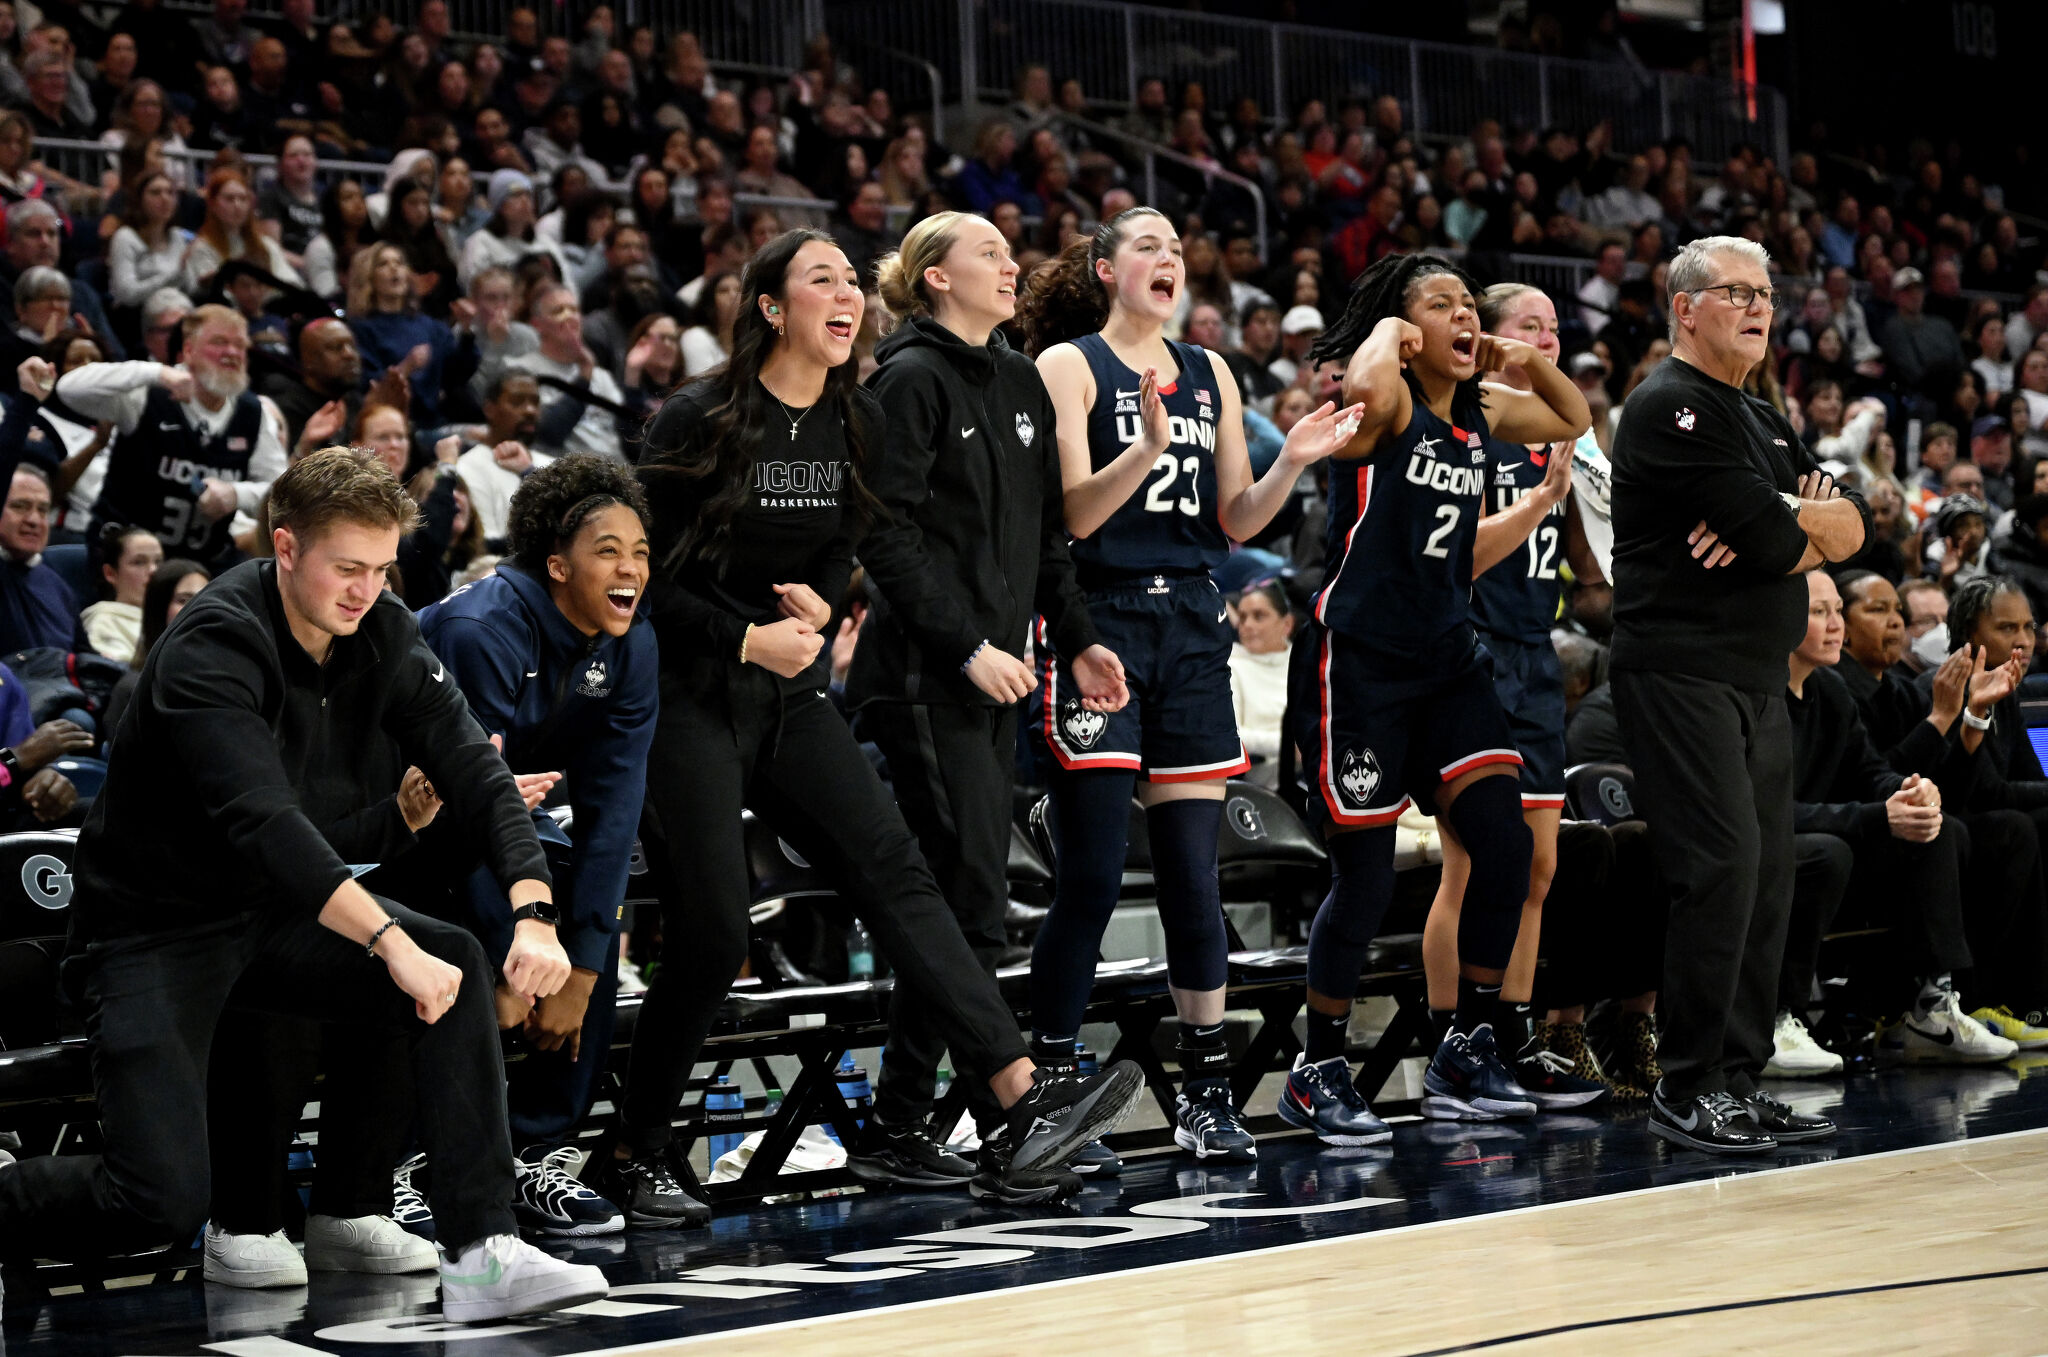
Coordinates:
<point>1361,888</point>
<point>1488,819</point>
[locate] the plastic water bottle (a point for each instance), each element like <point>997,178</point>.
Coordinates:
<point>771,1103</point>
<point>860,953</point>
<point>1090,1063</point>
<point>944,1082</point>
<point>724,1105</point>
<point>854,1088</point>
<point>300,1161</point>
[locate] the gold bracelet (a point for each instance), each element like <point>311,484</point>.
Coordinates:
<point>745,637</point>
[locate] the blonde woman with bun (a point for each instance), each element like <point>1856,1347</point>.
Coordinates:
<point>973,545</point>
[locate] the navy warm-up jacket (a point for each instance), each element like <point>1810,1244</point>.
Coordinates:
<point>583,706</point>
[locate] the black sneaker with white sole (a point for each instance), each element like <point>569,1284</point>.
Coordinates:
<point>1714,1123</point>
<point>408,1198</point>
<point>1208,1125</point>
<point>548,1199</point>
<point>998,1179</point>
<point>1052,1123</point>
<point>1096,1160</point>
<point>907,1156</point>
<point>1782,1124</point>
<point>647,1191</point>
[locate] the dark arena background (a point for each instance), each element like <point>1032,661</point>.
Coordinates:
<point>514,254</point>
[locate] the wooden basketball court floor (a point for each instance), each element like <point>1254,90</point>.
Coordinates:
<point>1923,1227</point>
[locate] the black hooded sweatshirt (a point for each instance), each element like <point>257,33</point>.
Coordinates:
<point>975,540</point>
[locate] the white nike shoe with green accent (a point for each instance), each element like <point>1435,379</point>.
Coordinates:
<point>503,1276</point>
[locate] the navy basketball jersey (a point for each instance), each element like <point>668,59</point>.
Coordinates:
<point>1518,597</point>
<point>1169,526</point>
<point>1398,545</point>
<point>151,474</point>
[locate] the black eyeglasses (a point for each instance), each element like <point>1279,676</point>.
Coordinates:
<point>1741,295</point>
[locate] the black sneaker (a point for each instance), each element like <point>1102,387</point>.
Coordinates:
<point>1207,1124</point>
<point>1000,1180</point>
<point>907,1156</point>
<point>1552,1082</point>
<point>1712,1122</point>
<point>648,1192</point>
<point>547,1198</point>
<point>1052,1123</point>
<point>1096,1160</point>
<point>408,1200</point>
<point>1466,1081</point>
<point>1781,1123</point>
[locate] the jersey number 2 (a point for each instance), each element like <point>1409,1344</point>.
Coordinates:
<point>1156,500</point>
<point>1446,524</point>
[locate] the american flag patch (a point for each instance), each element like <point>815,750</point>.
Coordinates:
<point>238,444</point>
<point>1202,395</point>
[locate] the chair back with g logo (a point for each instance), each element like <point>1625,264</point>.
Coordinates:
<point>1601,792</point>
<point>35,913</point>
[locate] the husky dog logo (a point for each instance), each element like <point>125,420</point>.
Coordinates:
<point>1026,431</point>
<point>1081,726</point>
<point>596,682</point>
<point>1358,776</point>
<point>1686,419</point>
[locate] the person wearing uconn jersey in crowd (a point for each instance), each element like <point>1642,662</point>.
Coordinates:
<point>1718,510</point>
<point>195,445</point>
<point>756,477</point>
<point>1156,484</point>
<point>973,544</point>
<point>1521,539</point>
<point>1391,695</point>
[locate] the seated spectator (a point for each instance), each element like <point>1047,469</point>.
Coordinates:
<point>42,307</point>
<point>230,232</point>
<point>21,175</point>
<point>1874,830</point>
<point>141,115</point>
<point>1958,534</point>
<point>292,199</point>
<point>344,230</point>
<point>163,319</point>
<point>1299,328</point>
<point>215,446</point>
<point>35,238</point>
<point>990,176</point>
<point>486,319</point>
<point>221,123</point>
<point>148,252</point>
<point>1925,604</point>
<point>1258,675</point>
<point>508,236</point>
<point>52,437</point>
<point>36,606</point>
<point>1991,453</point>
<point>385,431</point>
<point>1921,351</point>
<point>569,421</point>
<point>556,142</point>
<point>1259,344</point>
<point>653,369</point>
<point>224,38</point>
<point>384,315</point>
<point>113,626</point>
<point>1891,528</point>
<point>2021,553</point>
<point>457,207</point>
<point>493,468</point>
<point>450,535</point>
<point>415,163</point>
<point>409,224</point>
<point>330,380</point>
<point>171,586</point>
<point>48,104</point>
<point>862,228</point>
<point>37,794</point>
<point>708,340</point>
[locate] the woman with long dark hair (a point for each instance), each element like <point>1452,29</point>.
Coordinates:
<point>344,229</point>
<point>1156,482</point>
<point>1392,700</point>
<point>757,481</point>
<point>973,545</point>
<point>409,224</point>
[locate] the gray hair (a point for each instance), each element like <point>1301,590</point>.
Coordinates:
<point>1692,269</point>
<point>27,210</point>
<point>163,302</point>
<point>35,63</point>
<point>38,284</point>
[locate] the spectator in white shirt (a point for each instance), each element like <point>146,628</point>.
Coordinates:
<point>1258,675</point>
<point>493,469</point>
<point>568,422</point>
<point>1600,295</point>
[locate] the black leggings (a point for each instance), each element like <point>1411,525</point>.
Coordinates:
<point>728,731</point>
<point>1603,921</point>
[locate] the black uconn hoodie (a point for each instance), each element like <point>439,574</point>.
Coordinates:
<point>975,541</point>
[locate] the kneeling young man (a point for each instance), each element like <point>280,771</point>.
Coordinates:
<point>202,880</point>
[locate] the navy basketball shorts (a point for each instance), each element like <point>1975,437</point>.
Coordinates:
<point>1173,636</point>
<point>1378,729</point>
<point>1530,684</point>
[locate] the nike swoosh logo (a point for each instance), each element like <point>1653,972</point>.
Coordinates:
<point>535,673</point>
<point>1939,1038</point>
<point>1223,616</point>
<point>1689,1122</point>
<point>968,432</point>
<point>1127,395</point>
<point>1507,466</point>
<point>490,1276</point>
<point>438,672</point>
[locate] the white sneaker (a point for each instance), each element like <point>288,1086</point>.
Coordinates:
<point>1798,1054</point>
<point>1944,1035</point>
<point>630,979</point>
<point>504,1275</point>
<point>252,1261</point>
<point>377,1245</point>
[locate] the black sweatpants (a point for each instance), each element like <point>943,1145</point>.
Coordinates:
<point>1603,921</point>
<point>153,1006</point>
<point>2005,909</point>
<point>1713,773</point>
<point>1913,888</point>
<point>953,768</point>
<point>727,730</point>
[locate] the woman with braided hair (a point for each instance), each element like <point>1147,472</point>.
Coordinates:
<point>1390,691</point>
<point>1156,484</point>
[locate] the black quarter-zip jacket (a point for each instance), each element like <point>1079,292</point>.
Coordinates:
<point>238,746</point>
<point>975,541</point>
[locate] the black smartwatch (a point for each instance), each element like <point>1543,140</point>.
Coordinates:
<point>544,911</point>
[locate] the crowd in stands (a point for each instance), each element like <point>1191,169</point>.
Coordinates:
<point>556,246</point>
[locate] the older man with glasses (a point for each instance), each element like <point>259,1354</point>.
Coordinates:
<point>1718,511</point>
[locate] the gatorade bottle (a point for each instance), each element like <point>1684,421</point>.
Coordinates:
<point>860,953</point>
<point>724,1105</point>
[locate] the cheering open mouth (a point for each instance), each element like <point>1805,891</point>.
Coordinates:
<point>1465,345</point>
<point>840,326</point>
<point>622,600</point>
